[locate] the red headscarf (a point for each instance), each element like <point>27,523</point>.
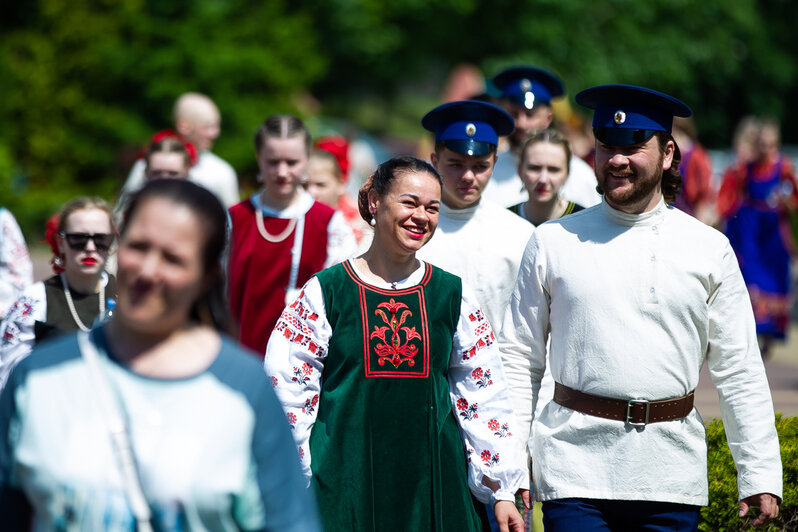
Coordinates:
<point>339,147</point>
<point>164,133</point>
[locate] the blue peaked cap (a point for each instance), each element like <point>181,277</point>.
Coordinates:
<point>528,86</point>
<point>628,114</point>
<point>469,127</point>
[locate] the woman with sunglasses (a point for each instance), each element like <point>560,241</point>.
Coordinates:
<point>81,236</point>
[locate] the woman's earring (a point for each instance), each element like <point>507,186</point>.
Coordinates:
<point>58,260</point>
<point>373,221</point>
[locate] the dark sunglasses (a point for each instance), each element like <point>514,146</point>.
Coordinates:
<point>78,241</point>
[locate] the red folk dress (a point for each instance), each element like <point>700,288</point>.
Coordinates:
<point>263,275</point>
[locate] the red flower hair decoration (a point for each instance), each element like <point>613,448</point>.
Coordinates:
<point>51,237</point>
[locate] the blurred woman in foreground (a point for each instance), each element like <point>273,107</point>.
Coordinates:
<point>388,370</point>
<point>155,418</point>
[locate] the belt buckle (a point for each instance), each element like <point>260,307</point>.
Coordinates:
<point>629,405</point>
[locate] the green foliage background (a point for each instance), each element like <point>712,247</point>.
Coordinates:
<point>84,83</point>
<point>721,513</point>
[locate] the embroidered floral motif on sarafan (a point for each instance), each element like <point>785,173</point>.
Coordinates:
<point>395,350</point>
<point>395,332</point>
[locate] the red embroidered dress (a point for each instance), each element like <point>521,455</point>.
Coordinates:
<point>397,399</point>
<point>259,271</point>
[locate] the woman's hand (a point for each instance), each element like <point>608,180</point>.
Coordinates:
<point>507,517</point>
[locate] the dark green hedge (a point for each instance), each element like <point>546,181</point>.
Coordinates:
<point>721,514</point>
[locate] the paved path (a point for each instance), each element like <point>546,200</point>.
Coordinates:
<point>782,371</point>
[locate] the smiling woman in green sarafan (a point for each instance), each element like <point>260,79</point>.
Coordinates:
<point>387,368</point>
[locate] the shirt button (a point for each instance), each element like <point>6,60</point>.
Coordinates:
<point>651,290</point>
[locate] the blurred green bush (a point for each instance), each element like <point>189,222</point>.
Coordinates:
<point>721,514</point>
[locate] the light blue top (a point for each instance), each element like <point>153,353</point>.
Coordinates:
<point>214,451</point>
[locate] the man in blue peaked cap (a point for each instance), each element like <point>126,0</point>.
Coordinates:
<point>475,239</point>
<point>632,296</point>
<point>527,94</point>
<point>479,241</point>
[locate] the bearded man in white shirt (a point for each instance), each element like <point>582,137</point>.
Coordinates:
<point>634,296</point>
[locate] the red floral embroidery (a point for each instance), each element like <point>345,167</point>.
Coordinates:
<point>469,353</point>
<point>481,343</point>
<point>502,430</point>
<point>395,351</point>
<point>489,459</point>
<point>19,311</point>
<point>296,332</point>
<point>477,315</point>
<point>482,377</point>
<point>467,411</point>
<point>302,375</point>
<point>301,310</point>
<point>301,452</point>
<point>469,452</point>
<point>291,417</point>
<point>274,382</point>
<point>310,405</point>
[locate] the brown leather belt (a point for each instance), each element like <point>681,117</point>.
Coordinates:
<point>635,412</point>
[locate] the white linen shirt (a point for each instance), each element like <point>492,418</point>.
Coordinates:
<point>483,245</point>
<point>633,305</point>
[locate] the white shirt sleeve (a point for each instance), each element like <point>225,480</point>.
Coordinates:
<point>16,269</point>
<point>17,334</point>
<point>738,374</point>
<point>480,401</point>
<point>228,187</point>
<point>341,243</point>
<point>295,360</point>
<point>523,338</point>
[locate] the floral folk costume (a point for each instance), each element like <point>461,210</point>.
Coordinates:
<point>397,399</point>
<point>758,229</point>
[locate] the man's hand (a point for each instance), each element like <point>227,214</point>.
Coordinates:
<point>768,507</point>
<point>507,517</point>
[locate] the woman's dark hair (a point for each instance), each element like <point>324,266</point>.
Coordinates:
<point>382,178</point>
<point>282,127</point>
<point>672,177</point>
<point>210,308</point>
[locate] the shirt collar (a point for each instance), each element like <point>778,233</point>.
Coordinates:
<point>295,210</point>
<point>647,218</point>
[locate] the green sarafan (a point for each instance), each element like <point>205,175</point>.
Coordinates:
<point>721,513</point>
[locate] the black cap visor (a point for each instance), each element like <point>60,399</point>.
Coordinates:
<point>617,136</point>
<point>469,147</point>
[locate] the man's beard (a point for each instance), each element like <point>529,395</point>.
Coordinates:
<point>640,189</point>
